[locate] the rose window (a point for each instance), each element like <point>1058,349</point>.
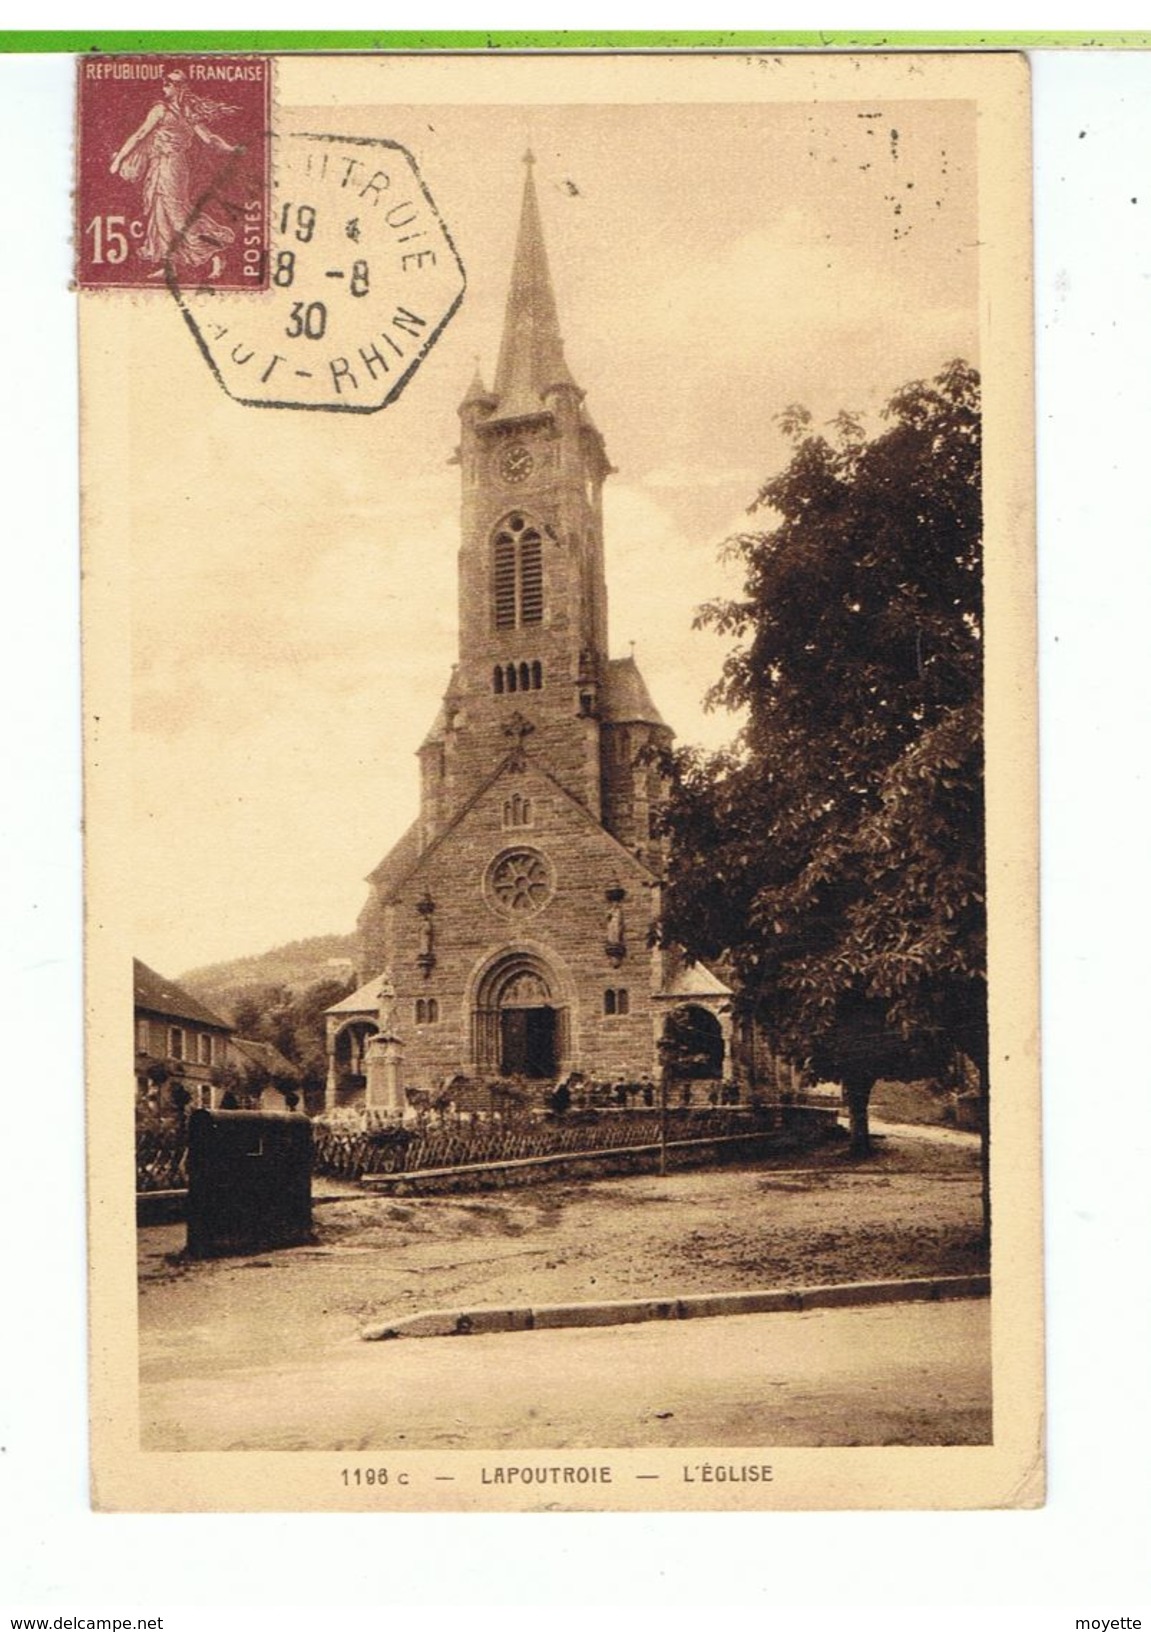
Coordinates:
<point>521,881</point>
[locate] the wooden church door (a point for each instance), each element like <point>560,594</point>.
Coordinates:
<point>528,1042</point>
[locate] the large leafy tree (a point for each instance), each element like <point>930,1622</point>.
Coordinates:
<point>292,1020</point>
<point>833,858</point>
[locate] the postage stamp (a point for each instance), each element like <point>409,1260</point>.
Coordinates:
<point>172,162</point>
<point>514,1082</point>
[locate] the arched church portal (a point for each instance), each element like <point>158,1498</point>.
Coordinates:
<point>693,1043</point>
<point>346,1061</point>
<point>520,1020</point>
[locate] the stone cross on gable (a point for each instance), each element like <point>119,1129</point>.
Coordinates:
<point>517,730</point>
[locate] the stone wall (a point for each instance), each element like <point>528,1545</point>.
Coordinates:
<point>566,935</point>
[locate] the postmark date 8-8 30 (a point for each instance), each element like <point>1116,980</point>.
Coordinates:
<point>363,277</point>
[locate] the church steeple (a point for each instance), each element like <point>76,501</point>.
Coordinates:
<point>531,360</point>
<point>532,595</point>
<point>478,392</point>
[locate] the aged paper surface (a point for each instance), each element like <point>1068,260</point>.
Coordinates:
<point>270,618</point>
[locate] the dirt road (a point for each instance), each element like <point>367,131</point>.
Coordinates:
<point>913,1210</point>
<point>905,1374</point>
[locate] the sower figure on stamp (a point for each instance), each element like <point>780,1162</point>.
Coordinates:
<point>162,152</point>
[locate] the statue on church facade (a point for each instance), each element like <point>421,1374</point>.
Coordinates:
<point>614,943</point>
<point>426,958</point>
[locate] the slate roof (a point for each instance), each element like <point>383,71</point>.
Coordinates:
<point>364,1000</point>
<point>531,356</point>
<point>625,696</point>
<point>158,995</point>
<point>398,862</point>
<point>478,391</point>
<point>694,980</point>
<point>438,729</point>
<point>266,1055</point>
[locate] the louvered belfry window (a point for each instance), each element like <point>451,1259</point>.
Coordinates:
<point>518,575</point>
<point>505,582</point>
<point>531,579</point>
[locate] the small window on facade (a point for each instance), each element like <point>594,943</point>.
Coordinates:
<point>175,1043</point>
<point>427,1011</point>
<point>141,1036</point>
<point>205,1048</point>
<point>609,1001</point>
<point>517,811</point>
<point>518,677</point>
<point>433,1010</point>
<point>616,1001</point>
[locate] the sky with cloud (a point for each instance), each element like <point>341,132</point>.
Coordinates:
<point>293,576</point>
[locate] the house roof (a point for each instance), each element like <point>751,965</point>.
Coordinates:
<point>364,1000</point>
<point>161,996</point>
<point>625,697</point>
<point>398,862</point>
<point>694,980</point>
<point>440,726</point>
<point>438,729</point>
<point>266,1055</point>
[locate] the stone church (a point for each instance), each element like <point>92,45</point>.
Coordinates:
<point>507,932</point>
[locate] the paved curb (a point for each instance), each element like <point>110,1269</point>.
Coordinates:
<point>629,1311</point>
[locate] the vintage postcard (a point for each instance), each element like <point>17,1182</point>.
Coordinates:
<point>560,781</point>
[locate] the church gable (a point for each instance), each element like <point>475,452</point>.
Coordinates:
<point>525,860</point>
<point>515,934</point>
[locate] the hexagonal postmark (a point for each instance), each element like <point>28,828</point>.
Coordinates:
<point>363,278</point>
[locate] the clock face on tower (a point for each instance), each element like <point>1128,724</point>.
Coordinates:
<point>516,463</point>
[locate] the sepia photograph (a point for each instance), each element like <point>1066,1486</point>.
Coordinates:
<point>560,775</point>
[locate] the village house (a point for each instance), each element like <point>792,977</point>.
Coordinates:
<point>181,1046</point>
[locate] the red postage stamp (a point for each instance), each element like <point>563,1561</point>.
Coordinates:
<point>172,172</point>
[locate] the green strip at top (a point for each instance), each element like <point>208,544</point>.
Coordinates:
<point>79,41</point>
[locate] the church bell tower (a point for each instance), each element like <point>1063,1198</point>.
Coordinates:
<point>513,919</point>
<point>533,600</point>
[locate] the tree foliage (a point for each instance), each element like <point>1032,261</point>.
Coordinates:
<point>833,857</point>
<point>291,1020</point>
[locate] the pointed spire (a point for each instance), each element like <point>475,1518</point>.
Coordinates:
<point>478,391</point>
<point>531,351</point>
